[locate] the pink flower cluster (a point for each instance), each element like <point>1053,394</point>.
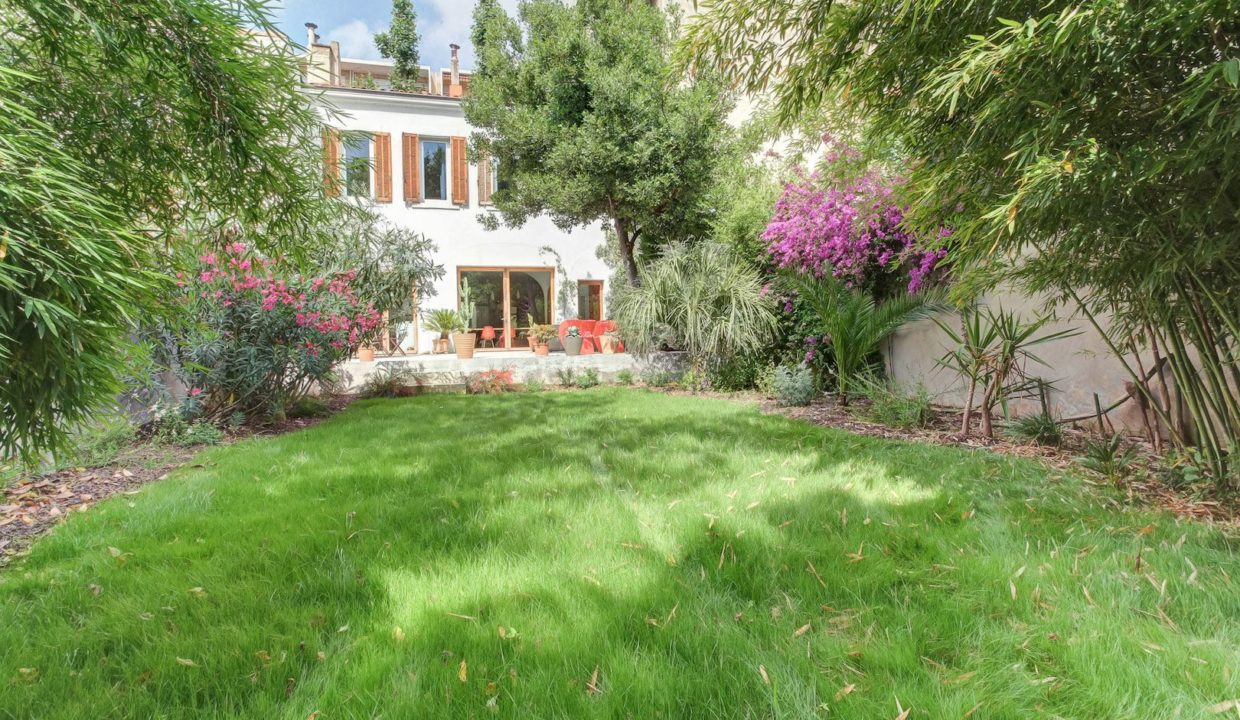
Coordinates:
<point>243,293</point>
<point>852,229</point>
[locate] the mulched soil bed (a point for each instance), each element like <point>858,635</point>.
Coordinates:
<point>1142,487</point>
<point>34,505</point>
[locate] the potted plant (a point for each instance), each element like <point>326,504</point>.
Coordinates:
<point>540,338</point>
<point>462,338</point>
<point>442,321</point>
<point>572,341</point>
<point>366,352</point>
<point>608,341</point>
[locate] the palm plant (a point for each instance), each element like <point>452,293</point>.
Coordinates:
<point>443,321</point>
<point>992,353</point>
<point>856,324</point>
<point>710,300</point>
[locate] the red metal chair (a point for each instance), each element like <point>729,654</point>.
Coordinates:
<point>488,335</point>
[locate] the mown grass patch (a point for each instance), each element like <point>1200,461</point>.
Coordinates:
<point>615,553</point>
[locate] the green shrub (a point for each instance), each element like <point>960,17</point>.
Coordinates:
<point>891,407</point>
<point>659,378</point>
<point>765,381</point>
<point>388,380</point>
<point>625,377</point>
<point>1109,457</point>
<point>738,372</point>
<point>174,429</point>
<point>533,385</point>
<point>793,385</point>
<point>1041,429</point>
<point>588,378</point>
<point>307,407</point>
<point>566,376</point>
<point>100,445</point>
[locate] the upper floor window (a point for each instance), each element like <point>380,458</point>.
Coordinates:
<point>434,170</point>
<point>357,166</point>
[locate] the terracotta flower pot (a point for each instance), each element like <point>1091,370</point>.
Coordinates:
<point>366,353</point>
<point>572,345</point>
<point>464,345</point>
<point>608,344</point>
<point>441,345</point>
<point>542,349</point>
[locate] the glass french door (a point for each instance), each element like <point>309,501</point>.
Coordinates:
<point>505,302</point>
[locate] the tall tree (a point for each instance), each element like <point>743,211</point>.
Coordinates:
<point>125,127</point>
<point>399,43</point>
<point>574,103</point>
<point>1090,149</point>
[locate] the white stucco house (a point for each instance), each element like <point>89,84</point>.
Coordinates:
<point>411,166</point>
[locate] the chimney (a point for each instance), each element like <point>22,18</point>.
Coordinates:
<point>311,36</point>
<point>454,90</point>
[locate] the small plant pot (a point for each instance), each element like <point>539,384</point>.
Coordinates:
<point>464,343</point>
<point>607,344</point>
<point>366,353</point>
<point>572,345</point>
<point>441,345</point>
<point>542,349</point>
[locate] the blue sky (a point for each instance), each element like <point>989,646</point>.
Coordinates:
<point>354,23</point>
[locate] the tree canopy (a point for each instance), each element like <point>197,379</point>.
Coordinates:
<point>127,127</point>
<point>573,103</point>
<point>399,43</point>
<point>1088,150</point>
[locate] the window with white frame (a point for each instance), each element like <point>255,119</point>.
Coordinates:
<point>358,166</point>
<point>434,169</point>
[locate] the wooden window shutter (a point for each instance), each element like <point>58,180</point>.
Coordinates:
<point>331,162</point>
<point>411,152</point>
<point>460,172</point>
<point>383,167</point>
<point>485,181</point>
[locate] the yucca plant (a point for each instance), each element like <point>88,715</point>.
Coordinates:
<point>710,299</point>
<point>856,324</point>
<point>992,353</point>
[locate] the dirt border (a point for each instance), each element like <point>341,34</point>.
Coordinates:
<point>1141,488</point>
<point>32,506</point>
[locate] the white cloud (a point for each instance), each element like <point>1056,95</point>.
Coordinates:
<point>356,38</point>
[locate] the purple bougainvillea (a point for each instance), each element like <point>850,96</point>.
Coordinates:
<point>852,228</point>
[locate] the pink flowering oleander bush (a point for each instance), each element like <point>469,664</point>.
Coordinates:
<point>254,339</point>
<point>851,226</point>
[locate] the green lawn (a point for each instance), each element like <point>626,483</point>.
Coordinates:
<point>615,553</point>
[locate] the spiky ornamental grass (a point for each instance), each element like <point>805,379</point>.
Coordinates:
<point>615,553</point>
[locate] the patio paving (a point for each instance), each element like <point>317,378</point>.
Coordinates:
<point>449,371</point>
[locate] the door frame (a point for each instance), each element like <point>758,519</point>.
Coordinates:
<point>602,314</point>
<point>509,333</point>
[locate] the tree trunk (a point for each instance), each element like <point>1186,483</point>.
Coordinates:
<point>625,240</point>
<point>967,420</point>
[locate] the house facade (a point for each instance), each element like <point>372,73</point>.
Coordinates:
<point>404,154</point>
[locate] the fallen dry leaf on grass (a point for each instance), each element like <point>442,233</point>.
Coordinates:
<point>762,671</point>
<point>592,686</point>
<point>186,662</point>
<point>844,691</point>
<point>1224,707</point>
<point>801,630</point>
<point>463,672</point>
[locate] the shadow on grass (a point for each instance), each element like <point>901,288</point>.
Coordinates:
<point>462,556</point>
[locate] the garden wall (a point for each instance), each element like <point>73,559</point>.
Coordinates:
<point>1078,366</point>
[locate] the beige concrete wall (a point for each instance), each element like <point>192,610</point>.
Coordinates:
<point>1078,366</point>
